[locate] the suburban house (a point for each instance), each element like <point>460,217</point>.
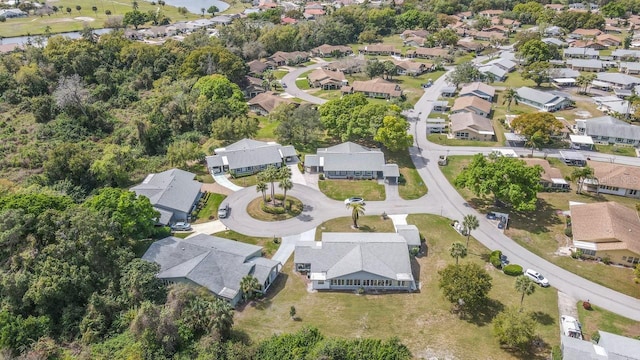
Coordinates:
<point>542,100</point>
<point>351,161</point>
<point>282,58</point>
<point>614,179</point>
<point>609,347</point>
<point>215,263</point>
<point>326,79</point>
<point>629,68</point>
<point>553,41</point>
<point>379,49</point>
<point>347,65</point>
<point>488,36</point>
<point>469,46</point>
<point>478,89</point>
<point>173,193</point>
<point>331,51</point>
<point>580,53</point>
<point>505,64</point>
<point>436,126</point>
<point>625,54</point>
<point>411,235</point>
<point>471,126</point>
<point>551,177</point>
<point>584,33</point>
<point>252,86</point>
<point>592,65</point>
<point>414,41</point>
<point>407,67</point>
<point>376,88</point>
<point>588,44</point>
<point>257,67</point>
<point>247,156</point>
<point>351,261</point>
<point>619,81</point>
<point>607,229</point>
<point>608,40</point>
<point>414,33</point>
<point>429,53</point>
<point>496,73</point>
<point>12,13</point>
<point>265,102</point>
<point>609,130</point>
<point>471,104</point>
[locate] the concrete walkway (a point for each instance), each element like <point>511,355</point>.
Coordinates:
<point>208,228</point>
<point>398,219</point>
<point>288,244</point>
<point>566,305</point>
<point>224,181</point>
<point>391,192</point>
<point>296,175</point>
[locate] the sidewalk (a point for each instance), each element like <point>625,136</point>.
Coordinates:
<point>224,181</point>
<point>289,244</point>
<point>296,175</point>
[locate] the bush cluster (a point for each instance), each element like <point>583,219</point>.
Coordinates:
<point>513,270</point>
<point>494,258</point>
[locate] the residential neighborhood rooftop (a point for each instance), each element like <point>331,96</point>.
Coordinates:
<point>611,225</point>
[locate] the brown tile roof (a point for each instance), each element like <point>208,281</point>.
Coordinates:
<point>257,66</point>
<point>470,45</point>
<point>549,172</point>
<point>410,65</point>
<point>471,101</point>
<point>328,49</point>
<point>602,222</point>
<point>322,74</point>
<point>286,56</point>
<point>608,37</point>
<point>377,85</point>
<point>429,52</point>
<point>380,48</point>
<point>489,35</point>
<point>416,39</point>
<point>268,100</point>
<point>417,33</point>
<point>616,175</point>
<point>470,121</point>
<point>587,32</point>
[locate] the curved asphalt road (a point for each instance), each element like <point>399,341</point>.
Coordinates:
<point>442,199</point>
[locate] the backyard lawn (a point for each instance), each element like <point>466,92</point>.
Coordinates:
<point>269,246</point>
<point>210,208</point>
<point>267,129</point>
<point>413,187</point>
<point>600,319</point>
<point>367,223</point>
<point>369,190</point>
<point>542,231</point>
<point>421,320</point>
<point>245,181</point>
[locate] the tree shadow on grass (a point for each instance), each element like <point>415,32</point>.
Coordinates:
<point>265,302</point>
<point>543,318</point>
<point>536,222</point>
<point>538,350</point>
<point>366,228</point>
<point>240,336</point>
<point>485,314</point>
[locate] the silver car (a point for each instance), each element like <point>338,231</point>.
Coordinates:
<point>537,277</point>
<point>352,200</point>
<point>223,211</point>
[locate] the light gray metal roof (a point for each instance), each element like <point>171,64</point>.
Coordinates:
<point>172,189</point>
<point>626,53</point>
<point>611,127</point>
<point>576,349</point>
<point>495,70</point>
<point>541,97</point>
<point>391,170</point>
<point>564,73</point>
<point>340,254</point>
<point>572,155</point>
<point>249,153</point>
<point>215,263</point>
<point>553,41</point>
<point>619,347</point>
<point>311,160</point>
<point>617,78</point>
<point>630,65</point>
<point>581,51</point>
<point>586,63</point>
<point>410,233</point>
<point>349,156</point>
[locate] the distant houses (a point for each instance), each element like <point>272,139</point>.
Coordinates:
<point>471,104</point>
<point>609,130</point>
<point>326,79</point>
<point>331,51</point>
<point>264,103</point>
<point>376,88</point>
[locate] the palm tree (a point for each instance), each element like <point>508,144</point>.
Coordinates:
<point>261,186</point>
<point>535,141</point>
<point>583,81</point>
<point>357,209</point>
<point>249,285</point>
<point>526,286</point>
<point>458,250</point>
<point>470,222</point>
<point>510,95</point>
<point>580,174</point>
<point>285,185</point>
<point>270,175</point>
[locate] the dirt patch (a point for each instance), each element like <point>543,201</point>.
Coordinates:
<point>85,18</point>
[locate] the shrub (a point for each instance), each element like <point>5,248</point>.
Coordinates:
<point>595,337</point>
<point>586,305</point>
<point>568,232</point>
<point>414,251</point>
<point>494,258</point>
<point>513,270</point>
<point>321,176</point>
<point>276,210</point>
<point>300,167</point>
<point>606,259</point>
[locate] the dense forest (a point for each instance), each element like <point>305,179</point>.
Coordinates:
<point>83,119</point>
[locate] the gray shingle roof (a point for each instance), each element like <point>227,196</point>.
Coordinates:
<point>626,53</point>
<point>410,233</point>
<point>581,51</point>
<point>172,189</point>
<point>249,153</point>
<point>349,156</point>
<point>619,347</point>
<point>586,63</point>
<point>611,127</point>
<point>339,254</point>
<point>215,263</point>
<point>541,97</point>
<point>617,78</point>
<point>576,349</point>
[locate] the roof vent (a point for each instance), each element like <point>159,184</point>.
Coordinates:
<point>182,249</point>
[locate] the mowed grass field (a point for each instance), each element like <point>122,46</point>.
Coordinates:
<point>421,320</point>
<point>74,21</point>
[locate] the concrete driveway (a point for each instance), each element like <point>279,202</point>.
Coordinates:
<point>223,180</point>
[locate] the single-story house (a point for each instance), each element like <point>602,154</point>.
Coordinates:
<point>629,68</point>
<point>414,33</point>
<point>379,49</point>
<point>282,58</point>
<point>471,104</point>
<point>610,104</point>
<point>429,53</point>
<point>347,65</point>
<point>376,88</point>
<point>407,67</point>
<point>480,90</point>
<point>564,73</point>
<point>414,41</point>
<point>573,158</point>
<point>490,13</point>
<point>252,86</point>
<point>12,13</point>
<point>410,233</point>
<point>215,263</point>
<point>542,100</point>
<point>496,20</point>
<point>584,33</point>
<point>257,67</point>
<point>608,40</point>
<point>609,131</point>
<point>436,126</point>
<point>551,177</point>
<point>488,36</point>
<point>580,53</point>
<point>448,91</point>
<point>173,193</point>
<point>614,179</point>
<point>495,72</point>
<point>555,42</point>
<point>469,46</point>
<point>553,31</point>
<point>592,65</point>
<point>620,81</point>
<point>609,347</point>
<point>265,102</point>
<point>607,229</point>
<point>247,156</point>
<point>351,261</point>
<point>471,126</point>
<point>351,161</point>
<point>625,54</point>
<point>504,64</point>
<point>440,105</point>
<point>331,51</point>
<point>326,79</point>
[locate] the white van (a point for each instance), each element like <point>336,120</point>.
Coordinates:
<point>571,327</point>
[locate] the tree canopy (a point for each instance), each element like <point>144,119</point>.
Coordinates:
<point>541,124</point>
<point>466,286</point>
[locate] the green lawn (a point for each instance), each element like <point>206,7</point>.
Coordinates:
<point>367,223</point>
<point>279,74</point>
<point>600,319</point>
<point>413,187</point>
<point>442,139</point>
<point>616,150</point>
<point>74,21</point>
<point>210,208</point>
<point>369,190</point>
<point>542,231</point>
<point>267,129</point>
<point>421,320</point>
<point>245,181</point>
<point>269,246</point>
<point>236,7</point>
<point>515,80</point>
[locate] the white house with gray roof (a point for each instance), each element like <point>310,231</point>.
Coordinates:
<point>350,261</point>
<point>580,53</point>
<point>215,263</point>
<point>609,130</point>
<point>542,100</point>
<point>625,54</point>
<point>609,347</point>
<point>351,161</point>
<point>173,193</point>
<point>247,157</point>
<point>619,81</point>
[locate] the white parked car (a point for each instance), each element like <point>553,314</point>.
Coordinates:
<point>537,277</point>
<point>352,200</point>
<point>571,327</point>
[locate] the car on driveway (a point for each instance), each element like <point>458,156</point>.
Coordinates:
<point>537,277</point>
<point>352,200</point>
<point>181,226</point>
<point>223,211</point>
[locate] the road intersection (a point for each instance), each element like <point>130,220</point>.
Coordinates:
<point>442,199</point>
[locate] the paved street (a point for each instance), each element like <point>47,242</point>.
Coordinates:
<point>289,81</point>
<point>442,199</point>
